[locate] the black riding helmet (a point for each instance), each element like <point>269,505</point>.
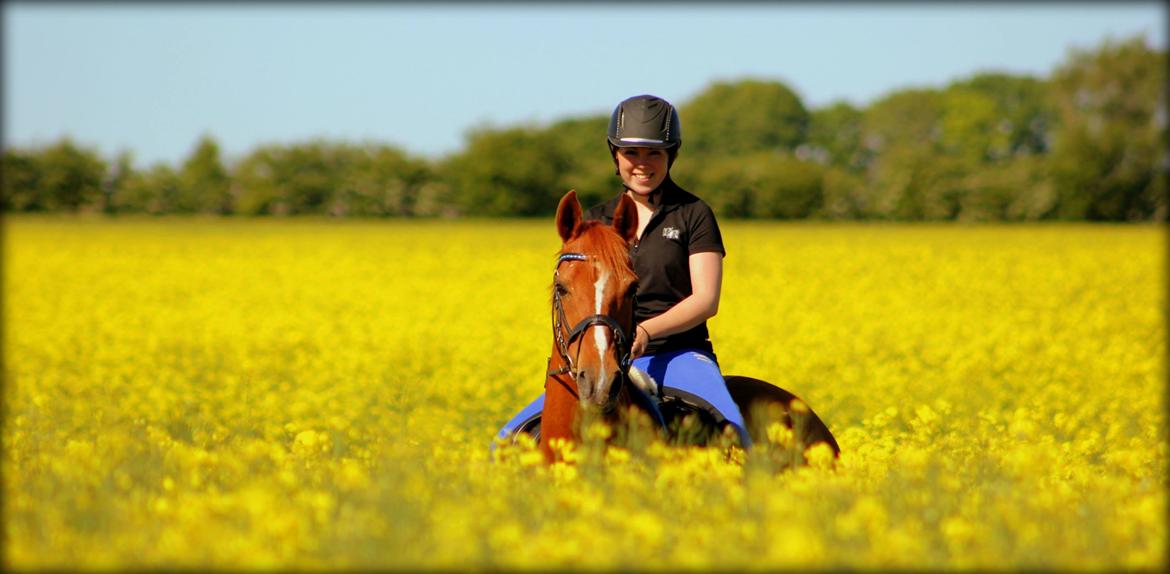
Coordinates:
<point>645,121</point>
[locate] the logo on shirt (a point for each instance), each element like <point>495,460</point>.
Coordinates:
<point>670,232</point>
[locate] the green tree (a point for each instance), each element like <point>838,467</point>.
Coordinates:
<point>514,171</point>
<point>155,190</point>
<point>726,183</point>
<point>590,168</point>
<point>1024,113</point>
<point>763,184</point>
<point>971,128</point>
<point>70,177</point>
<point>312,173</point>
<point>834,137</point>
<point>845,194</point>
<point>205,183</point>
<point>435,199</point>
<point>742,117</point>
<point>1109,158</point>
<point>21,181</point>
<point>908,118</point>
<point>382,181</point>
<point>302,178</point>
<point>258,190</point>
<point>915,183</point>
<point>120,172</point>
<point>902,133</point>
<point>789,188</point>
<point>1017,189</point>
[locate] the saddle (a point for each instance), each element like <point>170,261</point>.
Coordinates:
<point>674,407</point>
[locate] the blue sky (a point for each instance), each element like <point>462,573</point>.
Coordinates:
<point>151,78</point>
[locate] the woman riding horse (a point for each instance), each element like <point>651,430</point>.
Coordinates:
<point>677,253</point>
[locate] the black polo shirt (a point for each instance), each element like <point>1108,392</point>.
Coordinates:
<point>683,225</point>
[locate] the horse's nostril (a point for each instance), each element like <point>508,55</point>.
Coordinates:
<point>584,385</point>
<point>614,387</point>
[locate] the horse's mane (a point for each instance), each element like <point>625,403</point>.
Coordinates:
<point>601,241</point>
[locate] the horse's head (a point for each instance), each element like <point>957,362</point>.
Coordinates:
<point>593,299</point>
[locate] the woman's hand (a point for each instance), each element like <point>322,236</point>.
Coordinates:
<point>641,339</point>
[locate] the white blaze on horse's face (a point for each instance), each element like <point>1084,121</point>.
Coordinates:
<point>599,334</point>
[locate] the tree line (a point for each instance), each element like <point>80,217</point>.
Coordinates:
<point>1088,142</point>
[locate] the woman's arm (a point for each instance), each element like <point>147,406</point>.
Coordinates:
<point>702,304</point>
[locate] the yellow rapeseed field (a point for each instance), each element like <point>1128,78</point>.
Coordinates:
<point>319,394</point>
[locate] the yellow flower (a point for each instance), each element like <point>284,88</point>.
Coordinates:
<point>820,455</point>
<point>343,419</point>
<point>306,439</point>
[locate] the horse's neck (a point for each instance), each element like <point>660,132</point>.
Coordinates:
<point>557,381</point>
<point>560,404</point>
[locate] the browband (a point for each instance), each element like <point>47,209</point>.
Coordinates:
<point>571,257</point>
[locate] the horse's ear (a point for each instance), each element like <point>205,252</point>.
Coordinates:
<point>568,215</point>
<point>625,218</point>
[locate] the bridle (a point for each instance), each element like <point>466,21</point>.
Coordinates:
<point>559,321</point>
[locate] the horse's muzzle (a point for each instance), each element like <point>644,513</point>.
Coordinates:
<point>598,391</point>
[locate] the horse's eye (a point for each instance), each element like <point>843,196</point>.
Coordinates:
<point>561,289</point>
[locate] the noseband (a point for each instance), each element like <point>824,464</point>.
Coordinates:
<point>559,321</point>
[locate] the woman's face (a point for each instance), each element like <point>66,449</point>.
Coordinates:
<point>642,169</point>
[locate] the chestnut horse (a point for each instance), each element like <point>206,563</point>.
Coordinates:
<point>593,320</point>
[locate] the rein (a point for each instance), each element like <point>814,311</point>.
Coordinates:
<point>559,322</point>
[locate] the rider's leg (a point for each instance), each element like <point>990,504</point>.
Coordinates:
<point>533,409</point>
<point>696,373</point>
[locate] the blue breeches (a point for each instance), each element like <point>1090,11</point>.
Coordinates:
<point>689,374</point>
